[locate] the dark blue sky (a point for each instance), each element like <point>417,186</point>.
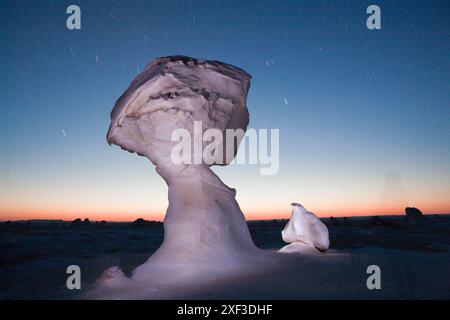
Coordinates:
<point>362,105</point>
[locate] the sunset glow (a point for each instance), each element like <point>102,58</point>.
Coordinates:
<point>363,116</point>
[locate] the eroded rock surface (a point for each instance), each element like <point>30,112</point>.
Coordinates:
<point>305,232</point>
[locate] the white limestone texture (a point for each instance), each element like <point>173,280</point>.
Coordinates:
<point>305,232</point>
<point>205,232</point>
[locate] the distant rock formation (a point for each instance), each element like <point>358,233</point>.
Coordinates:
<point>413,215</point>
<point>142,223</point>
<point>77,223</point>
<point>412,212</point>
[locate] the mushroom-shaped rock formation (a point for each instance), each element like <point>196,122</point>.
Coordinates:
<point>413,215</point>
<point>173,93</point>
<point>205,231</point>
<point>305,232</point>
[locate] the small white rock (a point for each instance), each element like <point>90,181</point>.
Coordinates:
<point>305,230</point>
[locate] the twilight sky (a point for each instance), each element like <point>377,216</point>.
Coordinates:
<point>363,114</point>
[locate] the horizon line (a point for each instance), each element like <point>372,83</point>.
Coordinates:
<point>266,219</point>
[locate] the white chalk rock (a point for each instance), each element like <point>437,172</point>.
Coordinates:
<point>299,247</point>
<point>177,92</point>
<point>304,232</point>
<point>203,220</point>
<point>205,232</point>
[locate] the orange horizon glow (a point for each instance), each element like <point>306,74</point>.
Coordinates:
<point>121,216</point>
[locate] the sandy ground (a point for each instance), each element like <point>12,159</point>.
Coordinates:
<point>414,259</point>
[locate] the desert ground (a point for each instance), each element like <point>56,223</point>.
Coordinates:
<point>414,258</point>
